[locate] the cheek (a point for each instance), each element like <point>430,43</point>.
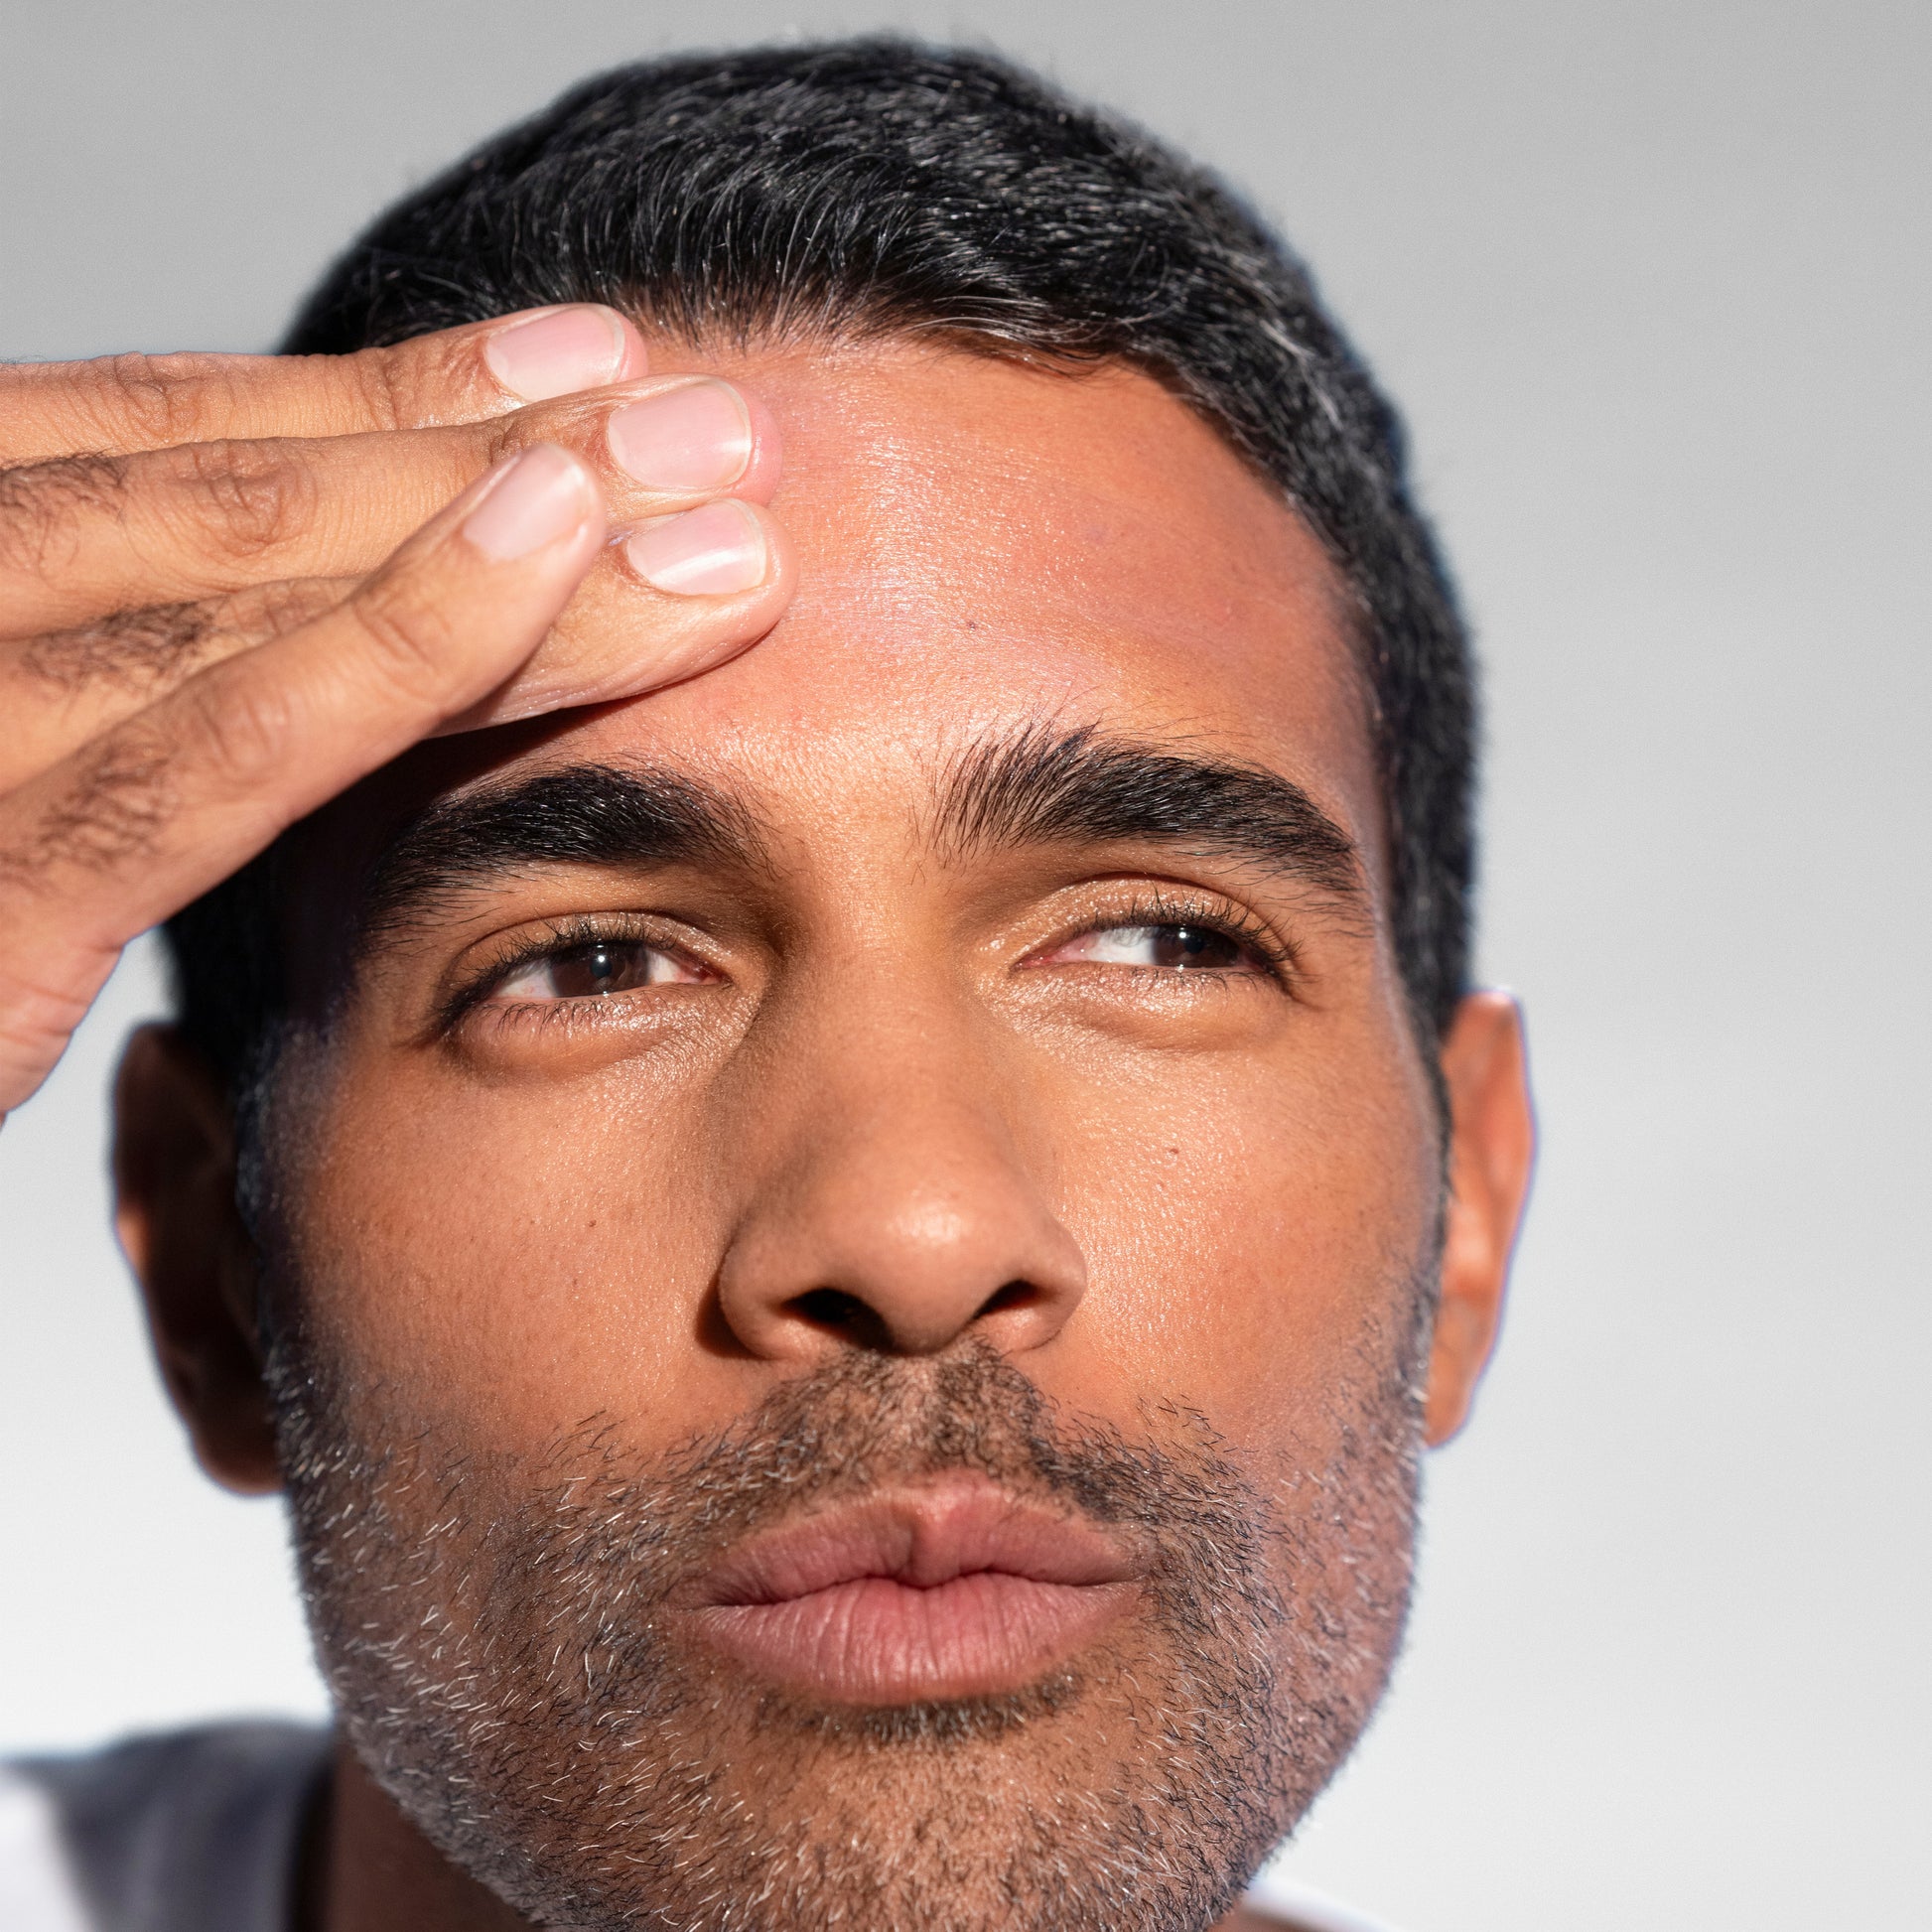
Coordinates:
<point>512,1256</point>
<point>1246,1224</point>
<point>515,1258</point>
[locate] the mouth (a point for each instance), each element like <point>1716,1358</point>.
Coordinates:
<point>944,1590</point>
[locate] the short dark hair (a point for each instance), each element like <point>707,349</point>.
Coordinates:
<point>870,188</point>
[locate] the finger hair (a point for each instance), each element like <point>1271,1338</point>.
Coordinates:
<point>113,812</point>
<point>150,648</point>
<point>127,648</point>
<point>39,501</point>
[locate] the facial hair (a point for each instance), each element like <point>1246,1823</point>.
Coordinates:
<point>499,1638</point>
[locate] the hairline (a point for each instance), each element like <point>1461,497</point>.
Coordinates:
<point>1345,600</point>
<point>1259,347</point>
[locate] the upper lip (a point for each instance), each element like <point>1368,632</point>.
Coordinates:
<point>922,1536</point>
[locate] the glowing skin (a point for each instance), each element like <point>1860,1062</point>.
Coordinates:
<point>1144,1119</point>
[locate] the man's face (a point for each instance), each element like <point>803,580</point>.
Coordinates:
<point>849,1253</point>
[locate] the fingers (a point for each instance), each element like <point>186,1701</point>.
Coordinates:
<point>80,537</point>
<point>62,688</point>
<point>120,404</point>
<point>199,640</point>
<point>137,823</point>
<point>685,591</point>
<point>682,594</point>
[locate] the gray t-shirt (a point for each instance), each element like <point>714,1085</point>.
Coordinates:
<point>191,1831</point>
<point>196,1831</point>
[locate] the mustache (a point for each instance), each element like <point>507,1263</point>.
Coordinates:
<point>862,1421</point>
<point>559,1572</point>
<point>588,1559</point>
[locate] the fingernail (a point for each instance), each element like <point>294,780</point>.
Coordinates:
<point>697,436</point>
<point>558,352</point>
<point>543,495</point>
<point>710,551</point>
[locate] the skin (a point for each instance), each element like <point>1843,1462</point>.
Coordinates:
<point>898,1068</point>
<point>208,628</point>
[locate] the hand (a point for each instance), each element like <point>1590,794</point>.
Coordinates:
<point>207,628</point>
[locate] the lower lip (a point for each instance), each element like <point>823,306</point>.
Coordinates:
<point>874,1641</point>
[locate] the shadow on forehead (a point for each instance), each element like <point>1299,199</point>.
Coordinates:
<point>1038,785</point>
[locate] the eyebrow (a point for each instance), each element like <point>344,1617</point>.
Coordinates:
<point>1047,786</point>
<point>1040,787</point>
<point>581,814</point>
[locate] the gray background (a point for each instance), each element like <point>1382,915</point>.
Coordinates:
<point>1651,280</point>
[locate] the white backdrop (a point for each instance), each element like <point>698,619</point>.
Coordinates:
<point>1652,282</point>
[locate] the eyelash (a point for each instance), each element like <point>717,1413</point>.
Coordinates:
<point>1219,915</point>
<point>1216,915</point>
<point>557,936</point>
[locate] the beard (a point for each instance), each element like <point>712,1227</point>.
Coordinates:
<point>502,1637</point>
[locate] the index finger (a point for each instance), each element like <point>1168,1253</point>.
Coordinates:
<point>116,405</point>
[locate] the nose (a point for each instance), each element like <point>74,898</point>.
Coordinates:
<point>896,1213</point>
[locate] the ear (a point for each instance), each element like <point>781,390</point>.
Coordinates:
<point>174,1213</point>
<point>1492,1147</point>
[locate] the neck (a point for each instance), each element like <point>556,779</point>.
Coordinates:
<point>372,1870</point>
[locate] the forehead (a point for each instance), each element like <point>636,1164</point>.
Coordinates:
<point>984,546</point>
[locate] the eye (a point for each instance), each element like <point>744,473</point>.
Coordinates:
<point>598,967</point>
<point>1169,947</point>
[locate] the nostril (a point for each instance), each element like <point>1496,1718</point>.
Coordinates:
<point>841,1313</point>
<point>1010,1294</point>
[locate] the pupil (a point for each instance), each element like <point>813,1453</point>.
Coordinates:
<point>590,971</point>
<point>1187,946</point>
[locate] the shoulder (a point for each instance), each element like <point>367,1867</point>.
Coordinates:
<point>1274,1904</point>
<point>185,1829</point>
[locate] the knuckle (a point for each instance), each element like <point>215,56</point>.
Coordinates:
<point>383,388</point>
<point>239,727</point>
<point>43,505</point>
<point>114,404</point>
<point>413,638</point>
<point>155,400</point>
<point>267,611</point>
<point>134,402</point>
<point>511,434</point>
<point>417,384</point>
<point>245,498</point>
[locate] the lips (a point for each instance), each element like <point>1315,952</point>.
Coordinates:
<point>944,1590</point>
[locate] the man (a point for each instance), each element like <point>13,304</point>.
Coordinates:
<point>844,1248</point>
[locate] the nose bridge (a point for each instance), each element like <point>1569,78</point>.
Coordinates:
<point>897,1207</point>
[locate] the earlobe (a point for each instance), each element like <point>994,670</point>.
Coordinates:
<point>174,1213</point>
<point>1492,1149</point>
